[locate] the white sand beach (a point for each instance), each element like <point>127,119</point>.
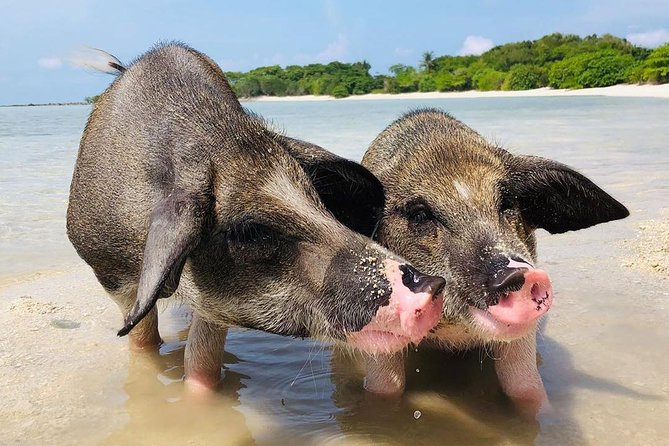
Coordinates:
<point>622,90</point>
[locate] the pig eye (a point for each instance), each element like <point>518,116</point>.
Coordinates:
<point>252,242</point>
<point>507,204</point>
<point>419,213</point>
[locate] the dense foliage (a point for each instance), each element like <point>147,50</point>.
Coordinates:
<point>555,60</point>
<point>336,79</point>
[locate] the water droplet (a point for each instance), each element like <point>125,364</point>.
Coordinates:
<point>417,414</point>
<point>417,370</point>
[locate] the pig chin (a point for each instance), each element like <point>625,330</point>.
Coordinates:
<point>496,330</point>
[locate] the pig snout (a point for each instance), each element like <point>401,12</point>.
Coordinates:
<point>414,308</point>
<point>522,294</point>
<point>517,295</point>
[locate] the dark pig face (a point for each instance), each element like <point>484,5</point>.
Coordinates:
<point>264,252</point>
<point>462,208</point>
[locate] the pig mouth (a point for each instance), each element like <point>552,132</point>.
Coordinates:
<point>512,315</point>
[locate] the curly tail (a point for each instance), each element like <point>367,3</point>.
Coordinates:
<point>99,60</point>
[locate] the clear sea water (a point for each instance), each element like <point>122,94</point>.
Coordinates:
<point>604,347</point>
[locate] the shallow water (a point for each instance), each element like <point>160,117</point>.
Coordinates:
<point>603,348</point>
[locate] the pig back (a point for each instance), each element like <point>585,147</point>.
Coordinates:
<point>148,131</point>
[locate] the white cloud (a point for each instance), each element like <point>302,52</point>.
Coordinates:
<point>336,50</point>
<point>50,63</point>
<point>649,39</point>
<point>475,45</point>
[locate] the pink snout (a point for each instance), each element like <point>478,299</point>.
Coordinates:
<point>531,301</point>
<point>414,308</point>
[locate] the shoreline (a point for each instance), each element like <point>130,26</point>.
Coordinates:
<point>620,90</point>
<point>46,104</point>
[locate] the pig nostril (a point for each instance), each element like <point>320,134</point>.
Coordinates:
<point>506,280</point>
<point>408,275</point>
<point>418,282</point>
<point>539,294</point>
<point>418,312</point>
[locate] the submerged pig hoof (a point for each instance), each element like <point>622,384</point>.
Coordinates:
<point>534,410</point>
<point>546,416</point>
<point>145,345</point>
<point>201,386</point>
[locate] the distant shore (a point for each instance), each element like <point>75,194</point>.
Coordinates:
<point>46,104</point>
<point>621,90</point>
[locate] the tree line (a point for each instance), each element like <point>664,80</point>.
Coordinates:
<point>555,60</point>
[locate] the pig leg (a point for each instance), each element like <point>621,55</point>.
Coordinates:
<point>145,335</point>
<point>516,367</point>
<point>384,373</point>
<point>204,355</point>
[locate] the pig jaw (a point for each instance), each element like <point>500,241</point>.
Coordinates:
<point>517,312</point>
<point>407,318</point>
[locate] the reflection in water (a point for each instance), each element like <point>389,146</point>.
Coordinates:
<point>279,390</point>
<point>458,399</point>
<point>159,411</point>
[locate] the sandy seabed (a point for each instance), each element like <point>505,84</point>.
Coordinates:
<point>622,90</point>
<point>650,248</point>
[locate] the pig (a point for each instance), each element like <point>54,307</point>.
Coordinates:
<point>178,191</point>
<point>461,207</point>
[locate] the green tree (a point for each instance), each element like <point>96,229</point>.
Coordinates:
<point>488,79</point>
<point>427,62</point>
<point>406,77</point>
<point>273,86</point>
<point>606,68</point>
<point>247,87</point>
<point>525,77</point>
<point>566,73</point>
<point>656,66</point>
<point>427,83</point>
<point>456,81</point>
<point>340,91</point>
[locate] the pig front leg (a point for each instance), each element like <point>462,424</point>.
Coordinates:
<point>516,366</point>
<point>203,356</point>
<point>384,373</point>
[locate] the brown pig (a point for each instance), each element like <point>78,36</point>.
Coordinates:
<point>461,207</point>
<point>177,190</point>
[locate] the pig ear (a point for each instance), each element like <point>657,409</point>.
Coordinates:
<point>556,198</point>
<point>348,190</point>
<point>175,227</point>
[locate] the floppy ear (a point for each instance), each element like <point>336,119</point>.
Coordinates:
<point>348,190</point>
<point>556,198</point>
<point>174,230</point>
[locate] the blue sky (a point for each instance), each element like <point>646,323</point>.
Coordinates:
<point>38,37</point>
